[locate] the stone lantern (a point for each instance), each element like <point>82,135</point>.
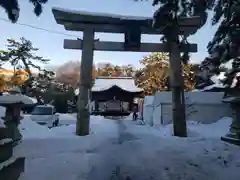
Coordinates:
<point>14,101</point>
<point>11,165</point>
<point>232,97</point>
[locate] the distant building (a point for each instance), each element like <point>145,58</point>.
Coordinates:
<point>114,94</point>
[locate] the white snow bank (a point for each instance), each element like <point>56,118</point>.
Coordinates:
<point>67,119</point>
<point>217,129</point>
<point>62,141</point>
<point>31,130</point>
<point>97,125</point>
<point>195,129</point>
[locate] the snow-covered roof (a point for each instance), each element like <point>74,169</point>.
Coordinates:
<point>125,83</point>
<point>105,83</point>
<point>17,98</point>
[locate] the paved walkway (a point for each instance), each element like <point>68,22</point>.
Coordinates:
<point>109,165</point>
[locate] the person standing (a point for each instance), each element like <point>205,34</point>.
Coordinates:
<point>135,111</point>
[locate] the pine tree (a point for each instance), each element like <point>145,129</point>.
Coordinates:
<point>170,11</point>
<point>225,45</point>
<point>21,54</point>
<point>12,8</point>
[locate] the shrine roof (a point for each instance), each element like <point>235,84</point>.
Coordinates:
<point>78,20</point>
<point>106,83</point>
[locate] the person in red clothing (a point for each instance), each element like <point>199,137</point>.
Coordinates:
<point>135,111</point>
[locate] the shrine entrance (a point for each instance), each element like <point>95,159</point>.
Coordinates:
<point>132,28</point>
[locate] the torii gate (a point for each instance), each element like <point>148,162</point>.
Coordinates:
<point>132,27</point>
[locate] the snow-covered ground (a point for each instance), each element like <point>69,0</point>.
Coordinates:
<point>124,148</point>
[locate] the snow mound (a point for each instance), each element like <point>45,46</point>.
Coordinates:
<point>195,129</point>
<point>99,125</point>
<point>67,119</point>
<point>30,129</point>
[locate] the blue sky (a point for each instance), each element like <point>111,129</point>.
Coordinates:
<point>51,45</point>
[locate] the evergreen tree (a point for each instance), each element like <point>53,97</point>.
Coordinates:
<point>21,54</point>
<point>225,45</point>
<point>170,11</point>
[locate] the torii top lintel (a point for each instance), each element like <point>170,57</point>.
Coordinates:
<point>112,23</point>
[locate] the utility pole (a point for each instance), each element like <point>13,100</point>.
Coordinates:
<point>83,116</point>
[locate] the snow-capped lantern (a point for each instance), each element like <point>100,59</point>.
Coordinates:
<point>232,96</point>
<point>10,135</point>
<point>13,102</point>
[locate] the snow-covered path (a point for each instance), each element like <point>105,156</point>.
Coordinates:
<point>130,152</point>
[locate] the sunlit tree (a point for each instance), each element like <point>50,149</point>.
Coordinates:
<point>10,78</point>
<point>154,76</point>
<point>111,70</point>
